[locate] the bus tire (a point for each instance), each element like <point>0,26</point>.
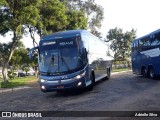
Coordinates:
<point>152,73</point>
<point>144,72</point>
<point>90,87</point>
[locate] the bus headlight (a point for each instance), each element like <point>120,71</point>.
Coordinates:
<point>80,76</point>
<point>43,87</point>
<point>42,80</point>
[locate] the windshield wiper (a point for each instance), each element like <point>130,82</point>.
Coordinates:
<point>50,62</point>
<point>65,63</point>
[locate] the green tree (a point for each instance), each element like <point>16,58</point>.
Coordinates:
<point>126,51</point>
<point>76,19</point>
<point>39,16</point>
<point>93,12</point>
<point>96,33</point>
<point>11,74</point>
<point>54,17</point>
<point>114,37</point>
<point>4,50</point>
<point>20,59</point>
<point>13,15</point>
<point>120,43</point>
<point>26,69</point>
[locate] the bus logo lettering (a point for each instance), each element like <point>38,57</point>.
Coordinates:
<point>49,43</point>
<point>66,43</point>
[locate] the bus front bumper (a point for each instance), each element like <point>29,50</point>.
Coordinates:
<point>50,86</point>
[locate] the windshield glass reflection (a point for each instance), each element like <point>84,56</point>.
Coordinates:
<point>57,58</point>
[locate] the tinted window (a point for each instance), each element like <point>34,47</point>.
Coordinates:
<point>156,40</point>
<point>61,56</point>
<point>136,43</point>
<point>85,41</point>
<point>145,41</point>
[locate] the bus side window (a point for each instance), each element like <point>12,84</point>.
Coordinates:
<point>136,43</point>
<point>85,48</point>
<point>132,45</point>
<point>156,40</point>
<point>85,41</point>
<point>146,41</point>
<point>141,43</point>
<point>84,56</point>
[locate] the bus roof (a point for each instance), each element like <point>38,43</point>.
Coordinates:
<point>152,33</point>
<point>64,34</point>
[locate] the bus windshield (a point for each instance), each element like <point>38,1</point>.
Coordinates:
<point>60,57</point>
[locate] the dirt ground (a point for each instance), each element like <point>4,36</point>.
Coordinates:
<point>123,92</point>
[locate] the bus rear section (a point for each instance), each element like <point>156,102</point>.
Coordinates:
<point>146,55</point>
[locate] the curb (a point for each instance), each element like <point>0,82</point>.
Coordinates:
<point>2,90</point>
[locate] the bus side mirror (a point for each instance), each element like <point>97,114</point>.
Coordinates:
<point>85,50</point>
<point>31,52</point>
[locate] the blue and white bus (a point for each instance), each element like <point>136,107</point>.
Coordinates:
<point>146,55</point>
<point>71,59</point>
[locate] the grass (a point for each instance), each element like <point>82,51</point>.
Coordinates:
<point>17,82</point>
<point>120,70</point>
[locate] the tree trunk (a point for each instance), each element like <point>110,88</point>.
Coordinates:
<point>5,66</point>
<point>6,63</point>
<point>4,73</point>
<point>36,71</point>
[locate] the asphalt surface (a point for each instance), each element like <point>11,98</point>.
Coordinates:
<point>123,92</point>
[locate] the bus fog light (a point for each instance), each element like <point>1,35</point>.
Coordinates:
<point>79,83</point>
<point>43,87</point>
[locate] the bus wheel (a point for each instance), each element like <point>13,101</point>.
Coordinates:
<point>90,87</point>
<point>151,73</point>
<point>144,72</point>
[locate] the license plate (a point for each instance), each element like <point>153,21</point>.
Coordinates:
<point>60,86</point>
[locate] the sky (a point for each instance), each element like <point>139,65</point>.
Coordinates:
<point>141,15</point>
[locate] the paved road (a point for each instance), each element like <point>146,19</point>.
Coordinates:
<point>123,92</point>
